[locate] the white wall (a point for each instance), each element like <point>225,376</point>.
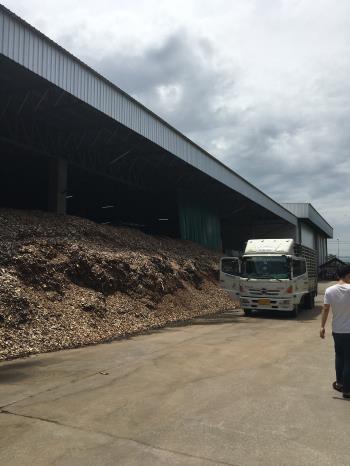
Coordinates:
<point>314,240</point>
<point>308,236</point>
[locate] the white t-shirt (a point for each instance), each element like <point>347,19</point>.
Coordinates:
<point>338,296</point>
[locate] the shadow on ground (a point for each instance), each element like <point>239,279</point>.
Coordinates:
<point>305,315</point>
<point>237,316</point>
<point>12,373</point>
<point>310,314</point>
<point>226,317</point>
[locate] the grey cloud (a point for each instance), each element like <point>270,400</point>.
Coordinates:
<point>292,149</point>
<point>182,63</point>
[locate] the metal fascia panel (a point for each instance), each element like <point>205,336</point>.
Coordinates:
<point>320,222</point>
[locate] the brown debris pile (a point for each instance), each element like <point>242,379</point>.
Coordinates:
<point>67,282</point>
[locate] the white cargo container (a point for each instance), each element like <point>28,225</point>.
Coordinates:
<point>273,274</point>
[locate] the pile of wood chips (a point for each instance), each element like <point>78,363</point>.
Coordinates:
<point>67,282</point>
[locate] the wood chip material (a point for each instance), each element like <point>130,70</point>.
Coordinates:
<point>67,282</point>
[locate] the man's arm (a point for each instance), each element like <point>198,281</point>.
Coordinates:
<point>325,312</point>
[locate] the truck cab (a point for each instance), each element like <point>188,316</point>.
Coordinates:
<point>269,276</point>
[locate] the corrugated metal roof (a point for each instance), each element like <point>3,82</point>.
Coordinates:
<point>28,47</point>
<point>305,210</point>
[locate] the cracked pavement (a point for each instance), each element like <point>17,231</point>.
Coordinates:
<point>226,390</point>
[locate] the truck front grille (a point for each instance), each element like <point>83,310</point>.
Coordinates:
<point>264,292</point>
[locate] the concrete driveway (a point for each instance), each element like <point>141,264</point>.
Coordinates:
<point>229,390</point>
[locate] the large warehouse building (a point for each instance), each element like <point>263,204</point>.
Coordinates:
<point>71,141</point>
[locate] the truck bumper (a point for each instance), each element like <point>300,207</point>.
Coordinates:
<point>266,303</point>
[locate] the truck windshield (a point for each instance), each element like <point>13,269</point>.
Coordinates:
<point>265,267</point>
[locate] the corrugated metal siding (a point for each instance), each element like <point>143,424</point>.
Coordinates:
<point>308,236</point>
<point>307,211</point>
<point>322,249</point>
<point>28,47</point>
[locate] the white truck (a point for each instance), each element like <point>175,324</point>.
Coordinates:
<point>272,274</point>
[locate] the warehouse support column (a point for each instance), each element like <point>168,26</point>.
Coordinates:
<point>57,185</point>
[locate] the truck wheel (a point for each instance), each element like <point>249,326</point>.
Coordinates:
<point>312,301</point>
<point>295,311</point>
<point>309,301</point>
<point>247,312</point>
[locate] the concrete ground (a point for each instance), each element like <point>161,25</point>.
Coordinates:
<point>228,390</point>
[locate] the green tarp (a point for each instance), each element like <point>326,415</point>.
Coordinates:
<point>198,221</point>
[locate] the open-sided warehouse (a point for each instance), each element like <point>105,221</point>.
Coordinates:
<point>71,141</point>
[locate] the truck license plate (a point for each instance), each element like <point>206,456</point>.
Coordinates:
<point>264,302</point>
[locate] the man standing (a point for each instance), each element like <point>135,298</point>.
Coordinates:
<point>338,298</point>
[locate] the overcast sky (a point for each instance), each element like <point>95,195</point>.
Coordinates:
<point>264,85</point>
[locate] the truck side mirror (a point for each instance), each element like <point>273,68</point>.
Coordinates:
<point>230,266</point>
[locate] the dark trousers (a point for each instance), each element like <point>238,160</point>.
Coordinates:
<point>342,359</point>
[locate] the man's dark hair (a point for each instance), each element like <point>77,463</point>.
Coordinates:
<point>343,271</point>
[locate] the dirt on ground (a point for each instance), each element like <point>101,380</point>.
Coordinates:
<point>67,282</point>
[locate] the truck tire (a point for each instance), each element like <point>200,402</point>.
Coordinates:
<point>247,312</point>
<point>312,301</point>
<point>309,301</point>
<point>295,312</point>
